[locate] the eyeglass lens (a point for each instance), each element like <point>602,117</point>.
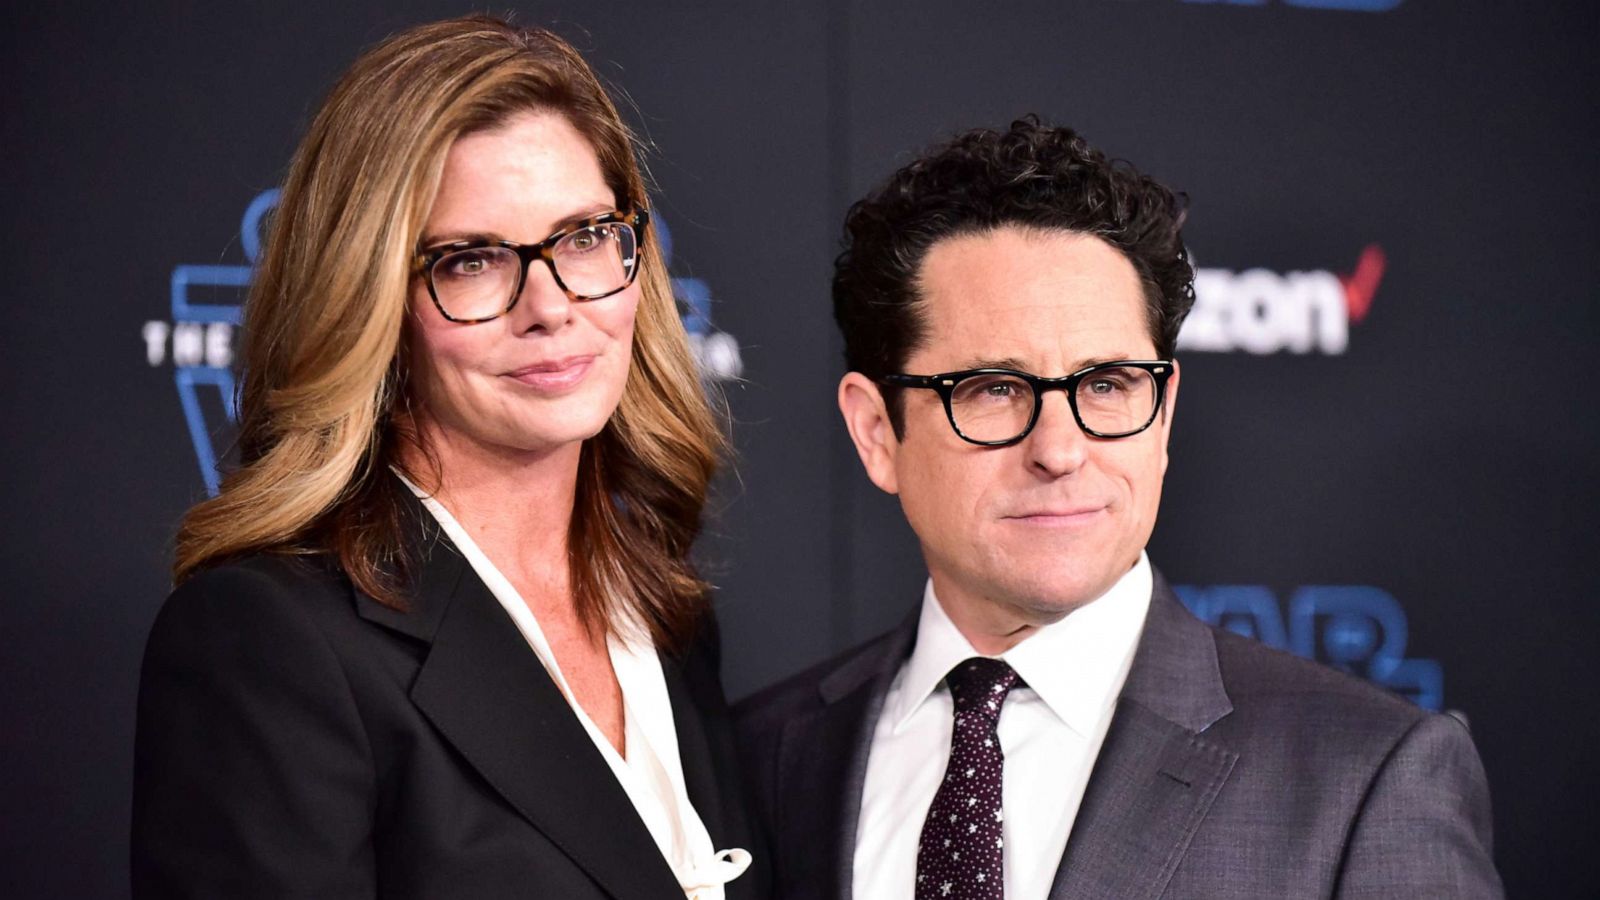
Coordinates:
<point>482,281</point>
<point>1113,401</point>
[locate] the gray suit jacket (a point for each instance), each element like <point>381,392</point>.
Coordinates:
<point>1230,770</point>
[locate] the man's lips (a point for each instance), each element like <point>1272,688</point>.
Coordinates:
<point>1078,514</point>
<point>555,374</point>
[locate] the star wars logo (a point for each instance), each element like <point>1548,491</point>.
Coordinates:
<point>1357,628</point>
<point>199,339</point>
<point>1260,311</point>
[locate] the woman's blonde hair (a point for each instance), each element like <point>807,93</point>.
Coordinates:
<point>324,400</point>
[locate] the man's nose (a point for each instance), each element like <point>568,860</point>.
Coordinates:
<point>542,304</point>
<point>1056,446</point>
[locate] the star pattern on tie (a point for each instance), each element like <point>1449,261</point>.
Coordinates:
<point>960,856</point>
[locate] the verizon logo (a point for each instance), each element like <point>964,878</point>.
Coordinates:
<point>1260,311</point>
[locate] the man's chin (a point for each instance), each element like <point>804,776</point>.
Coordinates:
<point>1050,596</point>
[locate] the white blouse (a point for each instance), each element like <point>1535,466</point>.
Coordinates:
<point>652,772</point>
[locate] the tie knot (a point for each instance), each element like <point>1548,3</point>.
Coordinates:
<point>979,685</point>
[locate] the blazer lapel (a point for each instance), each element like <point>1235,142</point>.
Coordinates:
<point>694,750</point>
<point>823,757</point>
<point>487,693</point>
<point>1156,775</point>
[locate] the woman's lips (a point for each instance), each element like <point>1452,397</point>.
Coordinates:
<point>554,376</point>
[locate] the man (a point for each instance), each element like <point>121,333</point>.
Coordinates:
<point>1050,721</point>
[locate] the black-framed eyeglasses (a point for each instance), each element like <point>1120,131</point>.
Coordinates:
<point>479,280</point>
<point>996,407</point>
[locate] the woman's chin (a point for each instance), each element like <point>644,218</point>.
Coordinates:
<point>550,437</point>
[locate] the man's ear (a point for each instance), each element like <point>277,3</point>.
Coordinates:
<point>867,420</point>
<point>1169,409</point>
<point>1172,391</point>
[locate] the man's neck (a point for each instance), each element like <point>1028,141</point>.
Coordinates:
<point>992,624</point>
<point>989,632</point>
<point>990,627</point>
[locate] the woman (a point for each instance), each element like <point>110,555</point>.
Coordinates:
<point>439,635</point>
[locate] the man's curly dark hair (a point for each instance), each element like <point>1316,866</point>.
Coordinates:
<point>1032,175</point>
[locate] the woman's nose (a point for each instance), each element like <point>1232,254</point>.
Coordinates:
<point>542,304</point>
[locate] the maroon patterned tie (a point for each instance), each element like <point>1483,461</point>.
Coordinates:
<point>959,857</point>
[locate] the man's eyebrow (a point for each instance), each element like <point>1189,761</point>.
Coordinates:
<point>1082,364</point>
<point>1001,362</point>
<point>1011,362</point>
<point>452,237</point>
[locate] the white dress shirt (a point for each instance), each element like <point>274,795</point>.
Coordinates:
<point>1051,731</point>
<point>652,772</point>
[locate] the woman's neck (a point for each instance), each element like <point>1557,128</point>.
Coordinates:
<point>516,505</point>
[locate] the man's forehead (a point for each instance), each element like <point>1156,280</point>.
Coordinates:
<point>1015,298</point>
<point>1025,271</point>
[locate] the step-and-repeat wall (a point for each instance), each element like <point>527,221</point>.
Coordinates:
<point>1385,458</point>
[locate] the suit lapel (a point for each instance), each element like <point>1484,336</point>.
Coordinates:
<point>694,750</point>
<point>487,693</point>
<point>1156,775</point>
<point>824,756</point>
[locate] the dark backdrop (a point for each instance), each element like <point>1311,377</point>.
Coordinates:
<point>1389,466</point>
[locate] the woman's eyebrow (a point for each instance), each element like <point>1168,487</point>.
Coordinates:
<point>454,237</point>
<point>451,237</point>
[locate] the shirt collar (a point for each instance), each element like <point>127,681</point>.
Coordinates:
<point>1077,666</point>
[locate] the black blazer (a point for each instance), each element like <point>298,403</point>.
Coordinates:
<point>298,739</point>
<point>1230,770</point>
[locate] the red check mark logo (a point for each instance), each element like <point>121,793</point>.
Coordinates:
<point>1362,284</point>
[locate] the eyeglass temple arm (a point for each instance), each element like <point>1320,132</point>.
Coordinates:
<point>922,381</point>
